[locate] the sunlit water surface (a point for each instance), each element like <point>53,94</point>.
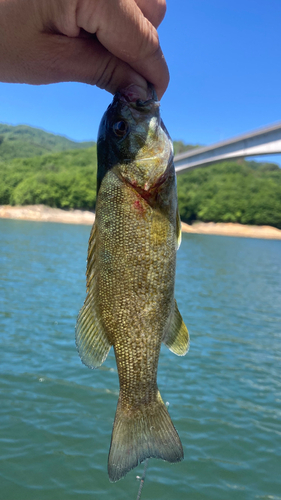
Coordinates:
<point>224,397</point>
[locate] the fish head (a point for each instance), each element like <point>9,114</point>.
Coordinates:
<point>133,139</point>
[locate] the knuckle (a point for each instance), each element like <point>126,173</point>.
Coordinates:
<point>154,10</point>
<point>104,78</point>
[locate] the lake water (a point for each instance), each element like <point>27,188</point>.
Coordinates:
<point>224,397</point>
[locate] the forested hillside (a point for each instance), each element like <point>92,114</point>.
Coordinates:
<point>22,141</point>
<point>63,180</point>
<point>232,191</point>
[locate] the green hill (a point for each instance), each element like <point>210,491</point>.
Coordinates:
<point>22,141</point>
<point>232,191</point>
<point>180,147</point>
<point>64,180</point>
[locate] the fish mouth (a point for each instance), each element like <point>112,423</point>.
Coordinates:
<point>127,96</point>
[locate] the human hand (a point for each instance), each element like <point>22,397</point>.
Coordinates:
<point>108,43</point>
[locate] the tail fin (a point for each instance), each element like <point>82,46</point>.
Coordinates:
<point>143,433</point>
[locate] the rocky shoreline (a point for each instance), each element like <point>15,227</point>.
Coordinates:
<point>42,213</point>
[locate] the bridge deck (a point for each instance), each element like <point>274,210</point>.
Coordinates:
<point>259,142</point>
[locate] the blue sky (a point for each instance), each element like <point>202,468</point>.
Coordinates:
<point>225,64</point>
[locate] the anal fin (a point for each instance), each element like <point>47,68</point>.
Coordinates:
<point>177,337</point>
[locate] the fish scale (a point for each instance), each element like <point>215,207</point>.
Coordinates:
<point>130,301</point>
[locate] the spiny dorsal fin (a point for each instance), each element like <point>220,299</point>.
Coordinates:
<point>91,339</point>
<point>91,258</point>
<point>177,338</point>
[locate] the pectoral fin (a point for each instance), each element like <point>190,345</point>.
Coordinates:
<point>91,339</point>
<point>178,229</point>
<point>177,338</point>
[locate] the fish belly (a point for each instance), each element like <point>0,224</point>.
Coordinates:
<point>136,262</point>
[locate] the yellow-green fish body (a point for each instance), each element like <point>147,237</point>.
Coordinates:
<point>130,278</point>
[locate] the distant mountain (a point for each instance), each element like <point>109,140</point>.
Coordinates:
<point>22,141</point>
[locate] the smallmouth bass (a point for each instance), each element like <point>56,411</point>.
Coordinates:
<point>131,264</point>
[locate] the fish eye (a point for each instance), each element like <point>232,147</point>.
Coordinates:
<point>120,128</point>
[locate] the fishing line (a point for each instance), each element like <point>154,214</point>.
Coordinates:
<point>142,478</point>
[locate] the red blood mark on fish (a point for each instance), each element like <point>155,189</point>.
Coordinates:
<point>138,206</point>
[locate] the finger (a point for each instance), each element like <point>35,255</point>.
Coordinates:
<point>124,31</point>
<point>154,10</point>
<point>78,59</point>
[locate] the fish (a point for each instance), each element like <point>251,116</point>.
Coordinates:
<point>131,265</point>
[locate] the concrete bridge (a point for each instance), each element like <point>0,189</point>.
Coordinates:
<point>265,141</point>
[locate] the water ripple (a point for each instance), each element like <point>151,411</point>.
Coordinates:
<point>224,396</point>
